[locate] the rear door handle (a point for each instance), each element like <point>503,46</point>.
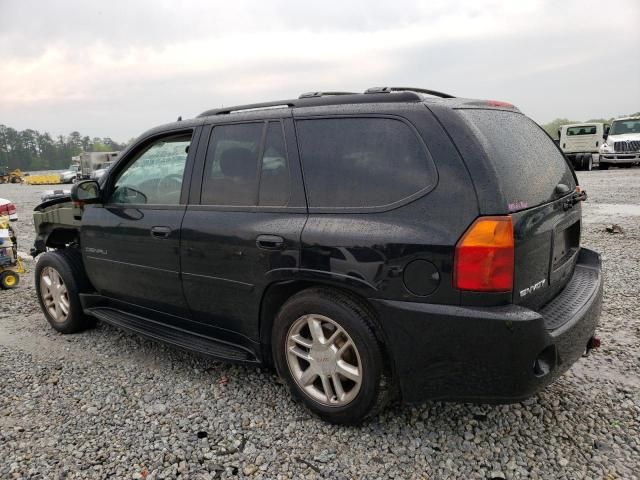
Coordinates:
<point>160,232</point>
<point>270,242</point>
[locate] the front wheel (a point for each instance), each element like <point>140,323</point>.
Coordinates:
<point>325,349</point>
<point>59,279</point>
<point>603,166</point>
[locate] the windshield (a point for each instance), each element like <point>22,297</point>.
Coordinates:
<point>583,130</point>
<point>623,127</point>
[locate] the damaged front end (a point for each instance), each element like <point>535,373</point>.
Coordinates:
<point>57,222</point>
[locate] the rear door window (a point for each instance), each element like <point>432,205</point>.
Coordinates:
<point>231,171</point>
<point>242,170</point>
<point>274,177</point>
<point>362,162</point>
<point>526,162</point>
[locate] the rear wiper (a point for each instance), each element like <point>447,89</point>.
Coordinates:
<point>579,195</point>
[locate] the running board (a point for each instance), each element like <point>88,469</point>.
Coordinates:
<point>172,335</point>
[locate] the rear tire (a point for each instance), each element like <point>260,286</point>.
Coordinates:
<point>310,331</point>
<point>59,279</point>
<point>588,162</point>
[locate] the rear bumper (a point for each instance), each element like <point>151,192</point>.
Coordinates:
<point>495,354</point>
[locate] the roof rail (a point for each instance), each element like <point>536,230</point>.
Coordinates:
<point>408,89</point>
<point>323,94</point>
<point>313,99</point>
<point>251,106</point>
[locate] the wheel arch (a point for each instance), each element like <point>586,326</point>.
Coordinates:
<point>277,293</point>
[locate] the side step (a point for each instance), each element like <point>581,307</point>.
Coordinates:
<point>172,335</point>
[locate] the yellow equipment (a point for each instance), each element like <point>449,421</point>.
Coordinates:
<point>43,179</point>
<point>12,177</point>
<point>10,264</point>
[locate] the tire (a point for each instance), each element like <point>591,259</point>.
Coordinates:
<point>587,162</point>
<point>603,166</point>
<point>65,268</point>
<point>345,319</point>
<point>9,279</point>
<point>625,165</point>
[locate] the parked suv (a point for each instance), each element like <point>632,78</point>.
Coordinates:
<point>396,243</point>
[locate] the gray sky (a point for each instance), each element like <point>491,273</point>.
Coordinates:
<point>119,67</point>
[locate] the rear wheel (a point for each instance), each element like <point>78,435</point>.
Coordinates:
<point>587,162</point>
<point>325,349</point>
<point>59,279</point>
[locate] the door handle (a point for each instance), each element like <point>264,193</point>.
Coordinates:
<point>160,232</point>
<point>270,242</point>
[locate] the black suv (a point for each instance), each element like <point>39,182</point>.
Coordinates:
<point>396,243</point>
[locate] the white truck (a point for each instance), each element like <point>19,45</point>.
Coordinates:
<point>92,161</point>
<point>622,145</point>
<point>581,142</point>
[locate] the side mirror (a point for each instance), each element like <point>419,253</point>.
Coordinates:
<point>87,191</point>
<point>606,131</point>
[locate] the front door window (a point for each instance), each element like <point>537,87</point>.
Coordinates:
<point>155,176</point>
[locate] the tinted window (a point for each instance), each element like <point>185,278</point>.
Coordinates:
<point>231,171</point>
<point>155,176</point>
<point>585,130</point>
<point>274,179</point>
<point>527,163</point>
<point>361,162</point>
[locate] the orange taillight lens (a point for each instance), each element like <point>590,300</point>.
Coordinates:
<point>484,256</point>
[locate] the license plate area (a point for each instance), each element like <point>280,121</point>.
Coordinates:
<point>566,243</point>
<point>566,246</point>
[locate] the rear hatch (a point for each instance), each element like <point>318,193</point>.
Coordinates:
<point>529,178</point>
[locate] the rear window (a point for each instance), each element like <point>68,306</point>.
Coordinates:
<point>527,163</point>
<point>588,130</point>
<point>361,162</point>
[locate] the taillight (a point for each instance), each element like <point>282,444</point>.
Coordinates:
<point>7,209</point>
<point>484,256</point>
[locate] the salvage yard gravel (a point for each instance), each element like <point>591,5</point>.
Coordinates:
<point>110,404</point>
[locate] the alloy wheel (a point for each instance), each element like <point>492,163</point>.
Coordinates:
<point>324,360</point>
<point>54,294</point>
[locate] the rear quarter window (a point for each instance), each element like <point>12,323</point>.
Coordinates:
<point>357,163</point>
<point>526,162</point>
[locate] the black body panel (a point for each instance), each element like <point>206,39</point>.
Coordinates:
<point>125,262</point>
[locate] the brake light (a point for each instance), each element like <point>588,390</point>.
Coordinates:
<point>8,208</point>
<point>484,256</point>
<point>498,103</point>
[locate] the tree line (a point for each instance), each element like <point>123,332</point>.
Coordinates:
<point>31,150</point>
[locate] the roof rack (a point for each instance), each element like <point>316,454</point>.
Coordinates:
<point>408,89</point>
<point>312,99</point>
<point>324,94</point>
<point>251,106</point>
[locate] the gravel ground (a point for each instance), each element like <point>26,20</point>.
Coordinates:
<point>108,404</point>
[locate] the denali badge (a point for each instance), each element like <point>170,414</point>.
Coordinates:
<point>532,288</point>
